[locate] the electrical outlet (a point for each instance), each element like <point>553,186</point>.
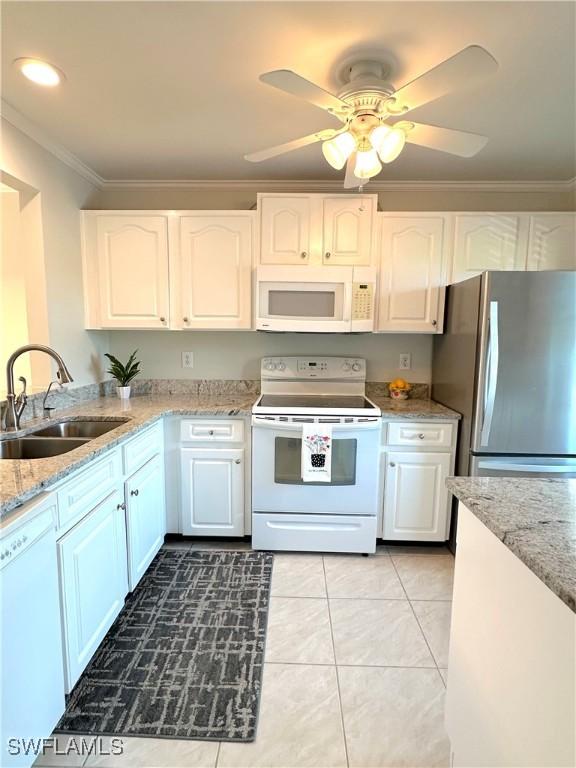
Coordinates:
<point>187,359</point>
<point>405,361</point>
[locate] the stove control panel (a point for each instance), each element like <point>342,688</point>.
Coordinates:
<point>313,368</point>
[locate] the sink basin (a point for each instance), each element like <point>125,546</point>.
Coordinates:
<point>38,447</point>
<point>83,429</point>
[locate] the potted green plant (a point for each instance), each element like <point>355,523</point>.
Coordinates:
<point>123,373</point>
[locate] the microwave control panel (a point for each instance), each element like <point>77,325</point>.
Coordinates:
<point>362,301</point>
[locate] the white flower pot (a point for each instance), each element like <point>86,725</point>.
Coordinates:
<point>123,392</point>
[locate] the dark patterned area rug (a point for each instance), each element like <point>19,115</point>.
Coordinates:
<point>184,658</point>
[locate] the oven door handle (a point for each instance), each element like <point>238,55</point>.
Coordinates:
<point>284,426</point>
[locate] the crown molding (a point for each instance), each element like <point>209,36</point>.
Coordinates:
<point>319,185</point>
<point>39,135</point>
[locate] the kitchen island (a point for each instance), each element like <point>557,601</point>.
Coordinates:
<point>512,666</point>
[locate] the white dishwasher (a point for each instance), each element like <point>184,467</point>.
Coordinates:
<point>32,675</point>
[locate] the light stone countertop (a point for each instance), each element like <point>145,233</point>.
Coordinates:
<point>535,518</point>
<point>22,479</point>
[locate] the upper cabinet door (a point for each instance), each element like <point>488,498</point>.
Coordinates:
<point>213,274</point>
<point>411,274</point>
<point>552,241</point>
<point>347,230</point>
<point>285,229</point>
<point>132,255</point>
<point>488,241</point>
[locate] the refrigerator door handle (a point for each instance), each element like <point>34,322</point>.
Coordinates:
<point>507,466</point>
<point>492,374</point>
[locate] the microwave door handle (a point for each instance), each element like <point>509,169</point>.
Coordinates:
<point>347,299</point>
<point>492,373</point>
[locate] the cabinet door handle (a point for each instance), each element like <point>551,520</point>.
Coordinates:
<point>185,319</point>
<point>303,255</point>
<point>210,431</point>
<point>134,492</point>
<point>120,506</point>
<point>327,255</point>
<point>421,436</point>
<point>162,319</point>
<point>237,461</point>
<point>434,322</point>
<point>392,464</point>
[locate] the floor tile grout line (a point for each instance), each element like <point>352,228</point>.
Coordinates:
<point>218,751</point>
<point>363,664</point>
<point>416,617</point>
<point>336,665</point>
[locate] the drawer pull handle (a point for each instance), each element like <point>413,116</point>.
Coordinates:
<point>421,436</point>
<point>237,461</point>
<point>185,319</point>
<point>392,464</point>
<point>120,506</point>
<point>135,492</point>
<point>210,431</point>
<point>327,254</point>
<point>303,255</point>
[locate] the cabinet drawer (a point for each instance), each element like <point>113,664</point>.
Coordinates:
<point>436,435</point>
<point>141,448</point>
<point>88,488</point>
<point>212,431</point>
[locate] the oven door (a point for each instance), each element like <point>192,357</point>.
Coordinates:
<point>302,299</point>
<point>277,484</point>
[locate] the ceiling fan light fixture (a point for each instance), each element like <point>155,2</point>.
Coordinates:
<point>367,164</point>
<point>388,142</point>
<point>338,150</point>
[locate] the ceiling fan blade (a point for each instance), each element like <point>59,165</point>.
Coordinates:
<point>289,146</point>
<point>465,68</point>
<point>290,82</point>
<point>448,140</point>
<point>350,180</point>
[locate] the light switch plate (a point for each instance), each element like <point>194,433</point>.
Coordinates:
<point>405,361</point>
<point>187,359</point>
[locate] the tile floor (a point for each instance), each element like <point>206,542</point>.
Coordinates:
<point>355,670</point>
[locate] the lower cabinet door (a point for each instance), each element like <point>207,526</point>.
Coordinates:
<point>212,491</point>
<point>145,517</point>
<point>93,582</point>
<point>415,496</point>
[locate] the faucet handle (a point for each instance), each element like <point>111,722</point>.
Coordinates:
<point>24,383</point>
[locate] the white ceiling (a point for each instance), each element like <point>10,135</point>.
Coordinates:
<point>163,90</point>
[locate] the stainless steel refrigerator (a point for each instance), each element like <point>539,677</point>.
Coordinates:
<point>507,363</point>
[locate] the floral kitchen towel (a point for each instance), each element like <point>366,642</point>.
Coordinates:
<point>316,453</point>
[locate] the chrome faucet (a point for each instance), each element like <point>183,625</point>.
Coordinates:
<point>15,404</point>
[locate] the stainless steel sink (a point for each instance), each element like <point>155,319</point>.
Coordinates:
<point>38,447</point>
<point>85,429</point>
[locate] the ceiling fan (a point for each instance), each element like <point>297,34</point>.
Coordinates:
<point>369,107</point>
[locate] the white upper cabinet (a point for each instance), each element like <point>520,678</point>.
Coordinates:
<point>552,241</point>
<point>211,270</point>
<point>317,229</point>
<point>132,271</point>
<point>412,249</point>
<point>488,241</point>
<point>285,229</point>
<point>347,230</point>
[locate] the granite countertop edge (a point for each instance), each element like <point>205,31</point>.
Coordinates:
<point>21,479</point>
<point>534,518</point>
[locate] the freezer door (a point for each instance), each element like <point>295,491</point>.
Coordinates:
<point>526,396</point>
<point>523,466</point>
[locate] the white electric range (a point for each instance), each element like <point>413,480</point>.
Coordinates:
<point>288,513</point>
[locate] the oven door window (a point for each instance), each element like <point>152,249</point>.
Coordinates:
<point>288,462</point>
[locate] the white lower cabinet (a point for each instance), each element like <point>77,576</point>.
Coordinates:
<point>212,491</point>
<point>415,497</point>
<point>93,581</point>
<point>145,517</point>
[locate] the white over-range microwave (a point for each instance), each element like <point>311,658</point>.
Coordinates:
<point>315,300</point>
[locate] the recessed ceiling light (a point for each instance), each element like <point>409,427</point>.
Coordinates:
<point>40,72</point>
